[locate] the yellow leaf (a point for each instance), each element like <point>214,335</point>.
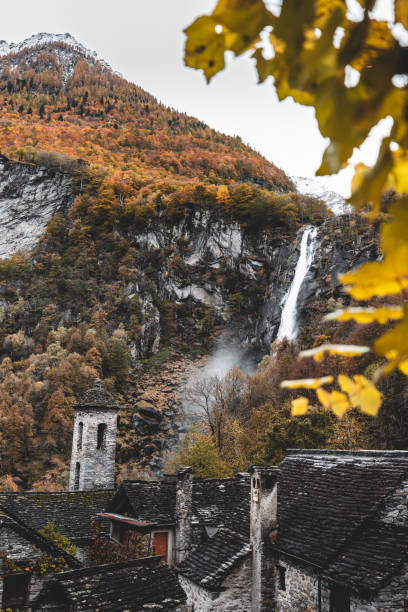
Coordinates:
<point>205,47</point>
<point>401,12</point>
<point>347,385</point>
<point>339,403</point>
<point>400,170</point>
<point>367,315</point>
<point>244,20</point>
<point>372,183</point>
<point>380,278</point>
<point>393,345</point>
<point>300,406</point>
<point>306,383</point>
<point>335,401</point>
<point>324,397</point>
<point>362,393</point>
<point>396,231</point>
<point>345,350</point>
<point>368,397</point>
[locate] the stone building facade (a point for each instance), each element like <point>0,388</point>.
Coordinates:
<point>21,550</point>
<point>94,441</point>
<point>342,532</point>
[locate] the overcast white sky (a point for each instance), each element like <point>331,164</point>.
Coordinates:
<point>143,40</point>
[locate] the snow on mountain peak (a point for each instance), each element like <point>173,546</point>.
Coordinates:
<point>312,187</point>
<point>44,38</point>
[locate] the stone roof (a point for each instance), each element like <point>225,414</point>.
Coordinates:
<point>372,557</point>
<point>211,562</point>
<point>329,513</point>
<point>141,584</point>
<point>222,502</point>
<point>29,534</point>
<point>70,511</point>
<point>216,502</point>
<point>151,501</point>
<point>97,397</point>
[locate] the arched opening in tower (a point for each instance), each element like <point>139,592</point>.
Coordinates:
<point>100,443</point>
<point>80,434</point>
<point>77,475</point>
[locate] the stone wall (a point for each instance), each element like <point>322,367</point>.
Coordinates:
<point>234,596</point>
<point>97,466</point>
<point>17,548</point>
<point>302,592</point>
<point>301,588</point>
<point>263,523</point>
<point>198,599</point>
<point>236,590</point>
<point>184,510</point>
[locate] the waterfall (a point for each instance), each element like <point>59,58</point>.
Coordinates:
<point>288,324</point>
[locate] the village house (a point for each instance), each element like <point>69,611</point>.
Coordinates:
<point>325,531</point>
<point>26,561</point>
<point>178,513</point>
<point>337,540</point>
<point>71,513</point>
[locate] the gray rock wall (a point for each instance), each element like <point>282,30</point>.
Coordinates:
<point>200,260</point>
<point>29,196</point>
<point>203,252</point>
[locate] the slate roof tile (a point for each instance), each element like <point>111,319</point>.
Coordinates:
<point>96,397</point>
<point>329,507</point>
<point>71,511</point>
<point>210,563</point>
<point>222,502</point>
<point>216,502</point>
<point>372,557</point>
<point>129,586</point>
<point>153,502</point>
<point>48,547</point>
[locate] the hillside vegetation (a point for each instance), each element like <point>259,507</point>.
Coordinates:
<point>66,315</point>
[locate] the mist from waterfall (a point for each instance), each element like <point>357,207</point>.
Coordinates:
<point>288,326</point>
<point>228,355</point>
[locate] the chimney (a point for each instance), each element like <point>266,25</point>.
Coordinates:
<point>184,511</point>
<point>263,531</point>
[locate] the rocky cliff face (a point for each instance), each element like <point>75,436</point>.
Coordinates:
<point>241,277</point>
<point>203,268</point>
<point>29,196</point>
<point>199,277</point>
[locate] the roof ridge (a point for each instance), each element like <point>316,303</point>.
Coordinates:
<point>95,569</point>
<point>14,519</point>
<point>342,453</point>
<point>55,493</point>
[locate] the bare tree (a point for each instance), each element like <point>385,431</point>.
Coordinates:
<point>217,398</point>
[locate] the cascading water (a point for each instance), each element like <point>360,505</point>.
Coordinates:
<point>288,324</point>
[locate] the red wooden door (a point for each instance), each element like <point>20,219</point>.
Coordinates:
<point>160,543</point>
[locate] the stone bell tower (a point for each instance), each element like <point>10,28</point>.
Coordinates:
<point>94,441</point>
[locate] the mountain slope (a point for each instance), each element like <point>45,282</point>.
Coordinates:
<point>161,233</point>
